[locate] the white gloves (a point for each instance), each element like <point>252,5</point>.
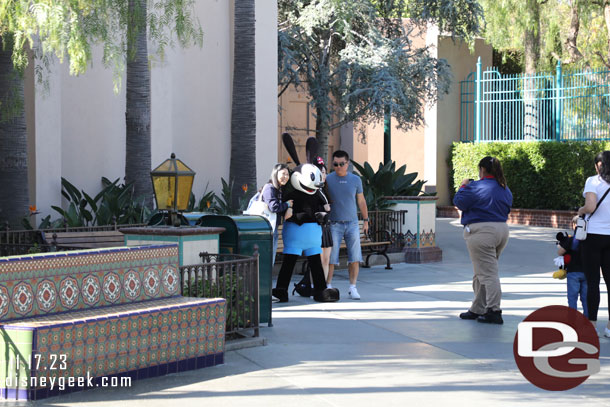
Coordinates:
<point>558,261</point>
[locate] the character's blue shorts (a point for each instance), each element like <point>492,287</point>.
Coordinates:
<point>306,238</point>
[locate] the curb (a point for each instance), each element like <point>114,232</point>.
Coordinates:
<point>245,343</point>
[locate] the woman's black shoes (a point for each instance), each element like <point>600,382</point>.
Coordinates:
<point>469,315</point>
<point>491,317</point>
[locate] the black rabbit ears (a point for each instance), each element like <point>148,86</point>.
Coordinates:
<point>311,147</point>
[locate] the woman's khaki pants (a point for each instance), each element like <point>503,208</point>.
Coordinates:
<point>485,242</point>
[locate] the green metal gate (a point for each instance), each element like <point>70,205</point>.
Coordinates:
<point>543,107</point>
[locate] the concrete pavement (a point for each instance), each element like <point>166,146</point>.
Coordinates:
<point>402,344</point>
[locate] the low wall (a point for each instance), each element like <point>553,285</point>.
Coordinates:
<point>532,217</point>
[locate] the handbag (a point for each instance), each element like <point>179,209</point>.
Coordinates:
<point>260,208</point>
<point>580,233</point>
<point>582,224</point>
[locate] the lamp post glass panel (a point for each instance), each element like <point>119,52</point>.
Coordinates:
<point>172,183</point>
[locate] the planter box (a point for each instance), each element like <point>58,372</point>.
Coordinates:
<point>191,240</point>
<point>419,227</point>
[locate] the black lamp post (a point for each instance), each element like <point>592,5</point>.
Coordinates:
<point>172,183</point>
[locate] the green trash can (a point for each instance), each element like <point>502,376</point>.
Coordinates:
<point>240,235</point>
<point>193,217</point>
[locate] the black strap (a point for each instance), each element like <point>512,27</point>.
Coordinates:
<point>599,202</point>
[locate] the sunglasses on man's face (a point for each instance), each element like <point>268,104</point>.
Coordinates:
<point>339,164</point>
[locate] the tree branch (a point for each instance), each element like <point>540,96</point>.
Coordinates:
<point>557,56</point>
<point>284,88</point>
<point>573,31</point>
<point>604,60</point>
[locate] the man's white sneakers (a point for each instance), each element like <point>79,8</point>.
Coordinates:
<point>353,293</point>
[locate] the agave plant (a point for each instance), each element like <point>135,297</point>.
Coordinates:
<point>387,181</point>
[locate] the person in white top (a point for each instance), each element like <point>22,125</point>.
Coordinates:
<point>596,248</point>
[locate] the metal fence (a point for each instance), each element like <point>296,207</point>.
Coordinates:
<point>232,277</point>
<point>543,107</point>
<point>387,225</point>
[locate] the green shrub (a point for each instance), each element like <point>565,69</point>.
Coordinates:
<point>541,175</point>
<point>234,289</point>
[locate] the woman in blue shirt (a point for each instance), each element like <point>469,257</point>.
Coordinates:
<point>485,205</point>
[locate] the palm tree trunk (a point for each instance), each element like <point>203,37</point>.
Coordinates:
<point>137,110</point>
<point>243,109</point>
<point>14,198</point>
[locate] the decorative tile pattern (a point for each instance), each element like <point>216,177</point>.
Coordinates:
<point>87,278</point>
<point>23,298</point>
<point>428,239</point>
<point>161,334</point>
<point>151,282</point>
<point>46,294</point>
<point>68,290</point>
<point>132,285</point>
<point>4,301</point>
<point>410,239</point>
<point>91,290</point>
<point>112,287</point>
<point>170,280</point>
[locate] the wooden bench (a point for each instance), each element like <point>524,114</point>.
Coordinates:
<point>377,246</point>
<point>100,314</point>
<point>84,240</point>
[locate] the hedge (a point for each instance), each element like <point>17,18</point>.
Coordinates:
<point>541,175</point>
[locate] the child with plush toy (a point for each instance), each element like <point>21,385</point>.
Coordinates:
<point>569,262</point>
<point>302,233</point>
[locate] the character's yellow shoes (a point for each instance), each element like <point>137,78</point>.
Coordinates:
<point>560,274</point>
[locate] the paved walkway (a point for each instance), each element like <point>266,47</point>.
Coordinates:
<point>401,345</point>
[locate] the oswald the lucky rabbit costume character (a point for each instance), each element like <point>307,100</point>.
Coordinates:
<point>302,232</point>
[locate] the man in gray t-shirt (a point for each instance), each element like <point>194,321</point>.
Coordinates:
<point>345,190</point>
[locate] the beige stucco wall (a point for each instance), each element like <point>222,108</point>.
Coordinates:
<point>407,146</point>
<point>78,128</point>
<point>462,62</point>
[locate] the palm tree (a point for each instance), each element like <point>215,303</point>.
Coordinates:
<point>137,108</point>
<point>242,169</point>
<point>14,198</point>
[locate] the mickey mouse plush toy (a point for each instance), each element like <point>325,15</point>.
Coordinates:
<point>302,232</point>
